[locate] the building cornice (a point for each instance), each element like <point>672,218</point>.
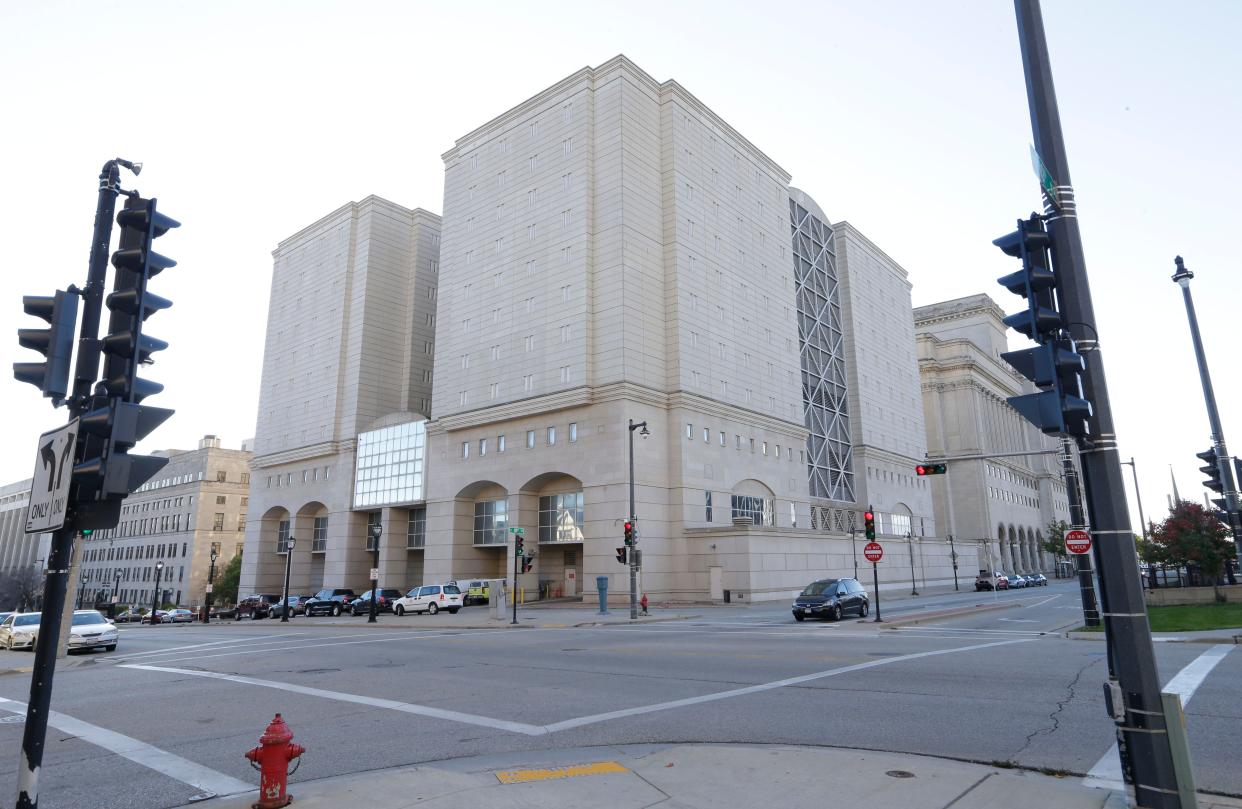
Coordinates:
<point>349,210</point>
<point>845,229</point>
<point>603,394</point>
<point>305,453</point>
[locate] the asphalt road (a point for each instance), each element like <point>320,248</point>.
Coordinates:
<point>993,686</point>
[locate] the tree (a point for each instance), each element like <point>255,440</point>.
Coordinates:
<point>225,590</point>
<point>1054,540</point>
<point>1191,535</point>
<point>21,589</point>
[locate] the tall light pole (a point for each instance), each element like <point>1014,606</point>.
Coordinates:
<point>1223,465</point>
<point>155,600</point>
<point>376,530</point>
<point>284,609</point>
<point>116,593</point>
<point>854,549</point>
<point>953,559</point>
<point>211,577</point>
<point>910,547</point>
<point>1151,569</point>
<point>633,549</point>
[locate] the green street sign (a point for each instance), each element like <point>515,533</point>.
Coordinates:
<point>517,530</point>
<point>1046,182</point>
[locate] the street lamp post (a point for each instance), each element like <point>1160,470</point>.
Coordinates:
<point>1229,488</point>
<point>81,591</point>
<point>284,609</point>
<point>953,559</point>
<point>376,530</point>
<point>1151,568</point>
<point>211,577</point>
<point>910,546</point>
<point>854,550</point>
<point>155,599</point>
<point>633,549</point>
<point>116,593</point>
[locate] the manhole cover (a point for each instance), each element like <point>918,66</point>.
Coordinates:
<point>899,774</point>
<point>15,719</point>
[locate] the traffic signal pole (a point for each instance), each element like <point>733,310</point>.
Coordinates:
<point>1224,468</point>
<point>1082,561</point>
<point>1143,739</point>
<point>56,576</point>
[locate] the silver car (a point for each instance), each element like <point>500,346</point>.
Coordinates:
<point>20,630</point>
<point>91,630</point>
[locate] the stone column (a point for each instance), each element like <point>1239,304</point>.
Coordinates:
<point>393,555</point>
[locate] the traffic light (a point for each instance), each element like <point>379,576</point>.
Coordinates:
<point>621,554</point>
<point>1211,468</point>
<point>528,562</point>
<point>519,545</point>
<point>869,524</point>
<point>629,533</point>
<point>126,346</point>
<point>1054,365</point>
<point>105,472</point>
<point>923,470</point>
<point>55,343</point>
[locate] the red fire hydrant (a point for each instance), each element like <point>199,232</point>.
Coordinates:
<point>643,603</point>
<point>276,749</point>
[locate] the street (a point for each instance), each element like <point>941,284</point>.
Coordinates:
<point>166,718</point>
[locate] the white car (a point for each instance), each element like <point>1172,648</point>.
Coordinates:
<point>430,598</point>
<point>20,630</point>
<point>90,630</point>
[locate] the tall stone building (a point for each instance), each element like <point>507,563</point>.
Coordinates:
<point>350,339</point>
<point>998,509</point>
<point>196,503</point>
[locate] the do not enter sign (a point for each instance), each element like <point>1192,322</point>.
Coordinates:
<point>1077,541</point>
<point>873,551</point>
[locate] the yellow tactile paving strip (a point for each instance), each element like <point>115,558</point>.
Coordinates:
<point>573,771</point>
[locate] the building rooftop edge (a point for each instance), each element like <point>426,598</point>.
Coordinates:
<point>370,199</point>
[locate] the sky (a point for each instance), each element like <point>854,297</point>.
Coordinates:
<point>907,118</point>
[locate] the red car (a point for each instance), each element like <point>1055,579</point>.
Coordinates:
<point>1002,583</point>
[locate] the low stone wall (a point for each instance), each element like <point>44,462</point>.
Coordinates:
<point>1176,596</point>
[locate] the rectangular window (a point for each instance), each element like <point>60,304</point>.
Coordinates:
<point>759,509</point>
<point>561,517</point>
<point>282,536</point>
<point>530,342</point>
<point>465,449</point>
<point>218,523</point>
<point>245,478</point>
<point>491,522</point>
<point>551,436</point>
<point>416,528</point>
<point>689,431</point>
<point>319,535</point>
<point>707,495</point>
<point>722,438</point>
<point>500,443</point>
<point>494,389</point>
<point>482,447</point>
<point>707,435</point>
<point>573,431</point>
<point>528,382</point>
<point>530,439</point>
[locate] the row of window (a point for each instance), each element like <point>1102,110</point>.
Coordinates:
<point>738,443</point>
<point>1007,496</point>
<point>132,573</point>
<point>308,476</point>
<point>560,519</point>
<point>549,440</point>
<point>415,536</point>
<point>1009,475</point>
<point>221,477</point>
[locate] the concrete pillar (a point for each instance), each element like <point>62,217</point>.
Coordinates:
<point>393,555</point>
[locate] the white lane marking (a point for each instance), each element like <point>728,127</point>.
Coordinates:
<point>375,702</point>
<point>373,638</point>
<point>1106,774</point>
<point>289,641</point>
<point>1019,620</point>
<point>175,649</point>
<point>1045,601</point>
<point>196,775</point>
<point>540,730</point>
<point>754,689</point>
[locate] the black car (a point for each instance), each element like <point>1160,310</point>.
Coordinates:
<point>332,601</point>
<point>831,598</point>
<point>362,604</point>
<point>297,606</point>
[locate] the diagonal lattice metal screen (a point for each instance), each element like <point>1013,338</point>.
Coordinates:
<point>829,451</point>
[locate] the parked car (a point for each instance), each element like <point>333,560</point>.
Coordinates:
<point>477,591</point>
<point>985,581</point>
<point>20,630</point>
<point>4,615</point>
<point>362,604</point>
<point>297,606</point>
<point>256,606</point>
<point>1002,582</point>
<point>1016,581</point>
<point>126,615</point>
<point>159,618</point>
<point>832,599</point>
<point>430,598</point>
<point>329,602</point>
<point>1039,580</point>
<point>224,612</point>
<point>179,617</point>
<point>90,630</point>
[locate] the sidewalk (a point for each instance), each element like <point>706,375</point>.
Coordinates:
<point>1212,636</point>
<point>690,776</point>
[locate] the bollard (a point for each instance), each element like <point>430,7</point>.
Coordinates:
<point>601,584</point>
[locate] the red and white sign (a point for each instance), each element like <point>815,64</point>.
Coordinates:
<point>1077,541</point>
<point>873,551</point>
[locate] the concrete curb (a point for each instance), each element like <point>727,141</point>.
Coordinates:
<point>949,613</point>
<point>61,665</point>
<point>651,619</point>
<point>527,623</point>
<point>1161,637</point>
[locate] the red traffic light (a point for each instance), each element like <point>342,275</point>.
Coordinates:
<point>629,526</point>
<point>868,516</point>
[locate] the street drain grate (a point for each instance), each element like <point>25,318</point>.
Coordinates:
<point>899,774</point>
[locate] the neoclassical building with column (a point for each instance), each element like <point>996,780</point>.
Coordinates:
<point>1001,505</point>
